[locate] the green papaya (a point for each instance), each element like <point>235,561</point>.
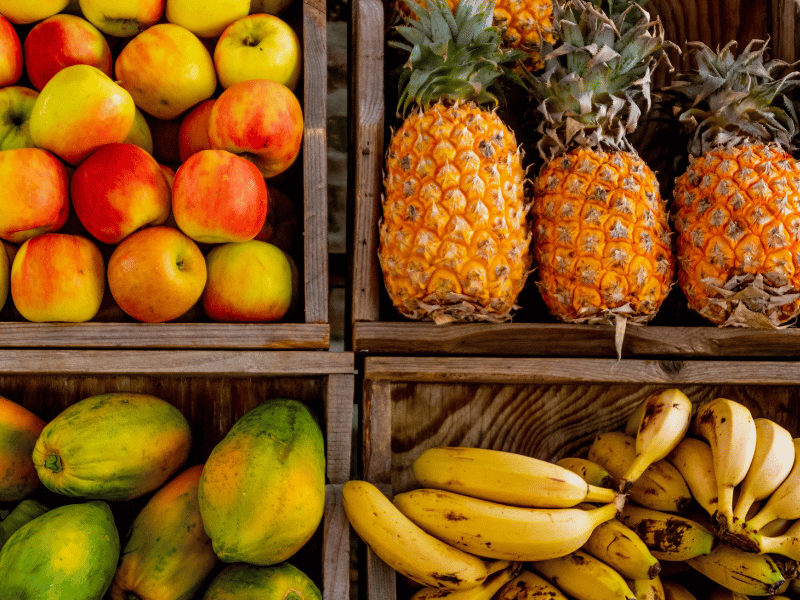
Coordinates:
<point>27,510</point>
<point>114,446</point>
<point>262,490</point>
<point>68,553</point>
<point>243,581</point>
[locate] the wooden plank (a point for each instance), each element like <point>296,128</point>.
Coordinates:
<point>339,396</point>
<point>573,370</point>
<point>376,422</point>
<point>336,553</point>
<point>171,363</point>
<point>784,23</point>
<point>315,161</point>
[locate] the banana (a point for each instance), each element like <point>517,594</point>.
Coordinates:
<point>729,429</point>
<point>529,586</point>
<point>772,461</point>
<point>505,477</point>
<point>740,571</point>
<point>583,577</point>
<point>589,471</point>
<point>776,527</point>
<point>722,593</point>
<point>695,462</point>
<point>647,589</point>
<point>660,422</point>
<point>660,487</point>
<point>620,547</point>
<point>784,502</point>
<point>499,531</point>
<point>675,591</point>
<point>786,544</point>
<point>403,545</point>
<point>667,536</point>
<point>485,591</point>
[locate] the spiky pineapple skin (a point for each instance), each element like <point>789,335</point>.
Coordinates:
<point>602,238</point>
<point>454,234</point>
<point>738,214</point>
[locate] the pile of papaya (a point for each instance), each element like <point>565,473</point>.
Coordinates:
<point>102,501</point>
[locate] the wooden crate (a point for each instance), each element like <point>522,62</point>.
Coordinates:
<point>213,389</point>
<point>307,326</point>
<point>377,328</point>
<point>542,407</point>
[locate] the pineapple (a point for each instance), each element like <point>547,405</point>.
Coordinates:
<point>602,245</point>
<point>738,202</point>
<point>454,234</point>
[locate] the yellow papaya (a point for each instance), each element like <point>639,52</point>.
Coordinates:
<point>262,490</point>
<point>242,581</point>
<point>114,446</point>
<point>19,429</point>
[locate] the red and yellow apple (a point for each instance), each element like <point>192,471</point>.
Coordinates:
<point>78,110</point>
<point>271,7</point>
<point>167,70</point>
<point>118,189</point>
<point>122,18</point>
<point>261,120</point>
<point>219,197</point>
<point>247,282</point>
<point>156,274</point>
<point>23,12</point>
<point>16,106</point>
<point>193,131</point>
<point>206,18</point>
<point>35,188</point>
<point>140,133</point>
<point>58,277</point>
<point>259,46</point>
<point>11,55</point>
<point>60,41</point>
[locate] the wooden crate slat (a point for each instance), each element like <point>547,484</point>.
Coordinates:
<point>336,553</point>
<point>339,395</point>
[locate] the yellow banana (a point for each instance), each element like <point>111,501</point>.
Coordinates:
<point>499,531</point>
<point>786,544</point>
<point>669,537</point>
<point>776,527</point>
<point>784,502</point>
<point>529,586</point>
<point>658,425</point>
<point>740,571</point>
<point>772,461</point>
<point>675,591</point>
<point>695,462</point>
<point>589,471</point>
<point>403,545</point>
<point>583,577</point>
<point>505,477</point>
<point>728,427</point>
<point>722,593</point>
<point>661,486</point>
<point>620,547</point>
<point>485,591</point>
<point>647,589</point>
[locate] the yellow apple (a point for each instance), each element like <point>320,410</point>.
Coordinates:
<point>156,274</point>
<point>271,7</point>
<point>247,282</point>
<point>167,70</point>
<point>259,46</point>
<point>78,110</point>
<point>5,273</point>
<point>58,277</point>
<point>122,18</point>
<point>140,134</point>
<point>16,106</point>
<point>206,18</point>
<point>23,12</point>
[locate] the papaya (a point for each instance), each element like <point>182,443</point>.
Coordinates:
<point>114,446</point>
<point>167,554</point>
<point>27,510</point>
<point>243,581</point>
<point>68,553</point>
<point>19,430</point>
<point>262,490</point>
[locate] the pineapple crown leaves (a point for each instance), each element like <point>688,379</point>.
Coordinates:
<point>596,76</point>
<point>453,56</point>
<point>732,99</point>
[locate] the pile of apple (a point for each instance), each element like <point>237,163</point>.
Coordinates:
<point>141,142</point>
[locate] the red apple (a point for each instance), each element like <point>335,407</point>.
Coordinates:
<point>193,131</point>
<point>5,273</point>
<point>219,197</point>
<point>156,274</point>
<point>10,53</point>
<point>118,189</point>
<point>16,106</point>
<point>60,41</point>
<point>35,188</point>
<point>247,282</point>
<point>260,119</point>
<point>58,277</point>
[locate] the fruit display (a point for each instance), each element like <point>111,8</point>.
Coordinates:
<point>100,140</point>
<point>545,528</point>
